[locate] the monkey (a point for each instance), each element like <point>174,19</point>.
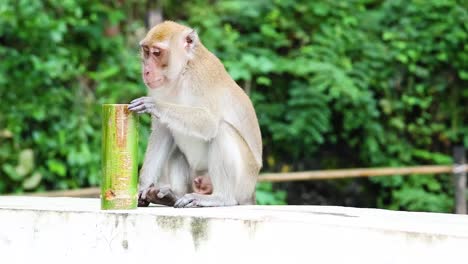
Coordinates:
<point>202,123</point>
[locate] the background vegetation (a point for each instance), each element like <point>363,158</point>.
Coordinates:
<point>335,84</point>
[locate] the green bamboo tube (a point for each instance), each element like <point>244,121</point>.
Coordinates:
<point>119,158</point>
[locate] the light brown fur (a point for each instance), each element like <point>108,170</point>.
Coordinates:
<point>163,32</point>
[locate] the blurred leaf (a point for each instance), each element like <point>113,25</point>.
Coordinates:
<point>33,181</point>
<point>57,167</point>
<point>265,195</point>
<point>11,172</point>
<point>25,162</point>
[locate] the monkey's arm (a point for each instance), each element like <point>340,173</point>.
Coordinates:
<point>193,121</point>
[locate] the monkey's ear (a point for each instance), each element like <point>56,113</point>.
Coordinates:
<point>190,41</point>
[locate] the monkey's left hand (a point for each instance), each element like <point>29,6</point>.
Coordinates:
<point>143,105</point>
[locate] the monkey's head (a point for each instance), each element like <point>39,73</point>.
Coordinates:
<point>165,52</point>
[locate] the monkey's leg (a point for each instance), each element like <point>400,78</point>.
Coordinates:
<point>160,145</point>
<point>173,186</point>
<point>179,173</point>
<point>232,170</point>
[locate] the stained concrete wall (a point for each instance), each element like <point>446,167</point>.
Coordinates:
<point>73,230</point>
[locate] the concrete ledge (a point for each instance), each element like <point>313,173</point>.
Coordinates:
<point>74,230</point>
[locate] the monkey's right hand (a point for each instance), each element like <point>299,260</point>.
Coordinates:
<point>143,105</point>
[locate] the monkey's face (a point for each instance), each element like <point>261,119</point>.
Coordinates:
<point>155,63</point>
<point>165,51</point>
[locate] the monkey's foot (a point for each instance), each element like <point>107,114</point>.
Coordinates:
<point>188,201</point>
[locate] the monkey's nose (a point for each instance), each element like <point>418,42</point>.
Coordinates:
<point>146,73</point>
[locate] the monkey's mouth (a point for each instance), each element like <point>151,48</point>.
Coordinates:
<point>154,84</point>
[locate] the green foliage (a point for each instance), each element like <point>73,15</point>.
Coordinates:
<point>335,84</point>
<point>350,84</point>
<point>266,195</point>
<point>58,65</point>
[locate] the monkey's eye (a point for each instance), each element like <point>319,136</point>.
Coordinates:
<point>157,53</point>
<point>145,53</point>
